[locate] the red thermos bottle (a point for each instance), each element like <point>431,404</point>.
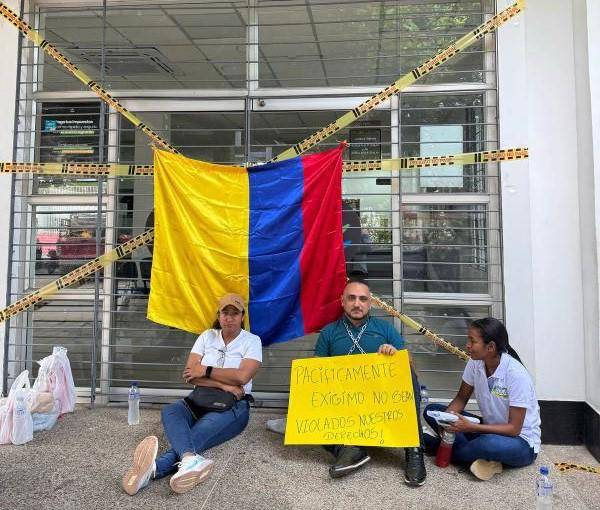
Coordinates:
<point>442,459</point>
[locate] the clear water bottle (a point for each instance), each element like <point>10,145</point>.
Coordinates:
<point>544,489</point>
<point>133,416</point>
<point>424,397</point>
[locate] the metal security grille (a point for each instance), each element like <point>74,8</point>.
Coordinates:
<point>232,82</point>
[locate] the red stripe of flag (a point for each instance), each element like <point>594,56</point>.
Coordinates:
<point>322,261</point>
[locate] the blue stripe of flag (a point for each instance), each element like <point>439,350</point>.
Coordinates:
<point>276,237</point>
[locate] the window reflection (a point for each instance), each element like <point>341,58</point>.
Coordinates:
<point>436,125</point>
<point>446,248</point>
<point>65,237</point>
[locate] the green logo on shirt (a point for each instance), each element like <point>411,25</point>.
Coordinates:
<point>500,391</point>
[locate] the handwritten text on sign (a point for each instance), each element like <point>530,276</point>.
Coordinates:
<point>363,400</point>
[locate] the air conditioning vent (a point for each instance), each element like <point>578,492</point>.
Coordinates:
<point>138,60</point>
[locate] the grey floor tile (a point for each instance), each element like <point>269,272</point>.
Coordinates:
<point>79,465</point>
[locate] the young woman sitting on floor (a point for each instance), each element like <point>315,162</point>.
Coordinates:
<point>509,433</point>
<point>226,357</point>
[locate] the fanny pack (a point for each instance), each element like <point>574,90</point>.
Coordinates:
<point>211,399</point>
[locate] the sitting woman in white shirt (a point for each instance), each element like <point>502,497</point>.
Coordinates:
<point>509,433</point>
<point>226,357</point>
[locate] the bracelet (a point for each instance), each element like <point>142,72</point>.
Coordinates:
<point>208,372</point>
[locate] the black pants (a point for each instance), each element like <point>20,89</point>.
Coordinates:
<point>335,448</point>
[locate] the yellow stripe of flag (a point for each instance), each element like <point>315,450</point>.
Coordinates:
<point>210,206</point>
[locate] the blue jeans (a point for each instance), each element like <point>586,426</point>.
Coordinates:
<point>468,447</point>
<point>188,435</point>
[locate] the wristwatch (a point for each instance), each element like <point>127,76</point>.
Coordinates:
<point>208,371</point>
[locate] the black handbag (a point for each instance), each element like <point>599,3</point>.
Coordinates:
<point>206,398</point>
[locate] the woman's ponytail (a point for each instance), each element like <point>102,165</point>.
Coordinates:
<point>513,353</point>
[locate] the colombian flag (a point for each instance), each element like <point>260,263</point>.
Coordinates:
<point>271,233</point>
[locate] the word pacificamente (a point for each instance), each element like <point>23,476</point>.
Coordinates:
<point>328,375</point>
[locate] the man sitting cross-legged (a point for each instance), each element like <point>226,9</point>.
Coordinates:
<point>357,332</point>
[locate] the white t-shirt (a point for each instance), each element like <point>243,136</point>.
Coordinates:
<point>215,353</point>
<point>509,386</point>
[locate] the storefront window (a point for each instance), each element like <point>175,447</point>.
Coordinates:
<point>64,237</point>
<point>442,124</point>
<point>241,82</point>
<point>320,44</point>
<point>445,248</point>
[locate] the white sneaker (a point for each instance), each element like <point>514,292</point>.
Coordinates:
<point>277,425</point>
<point>144,466</point>
<point>192,470</point>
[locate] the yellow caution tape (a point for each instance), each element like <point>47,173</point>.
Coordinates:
<point>76,275</point>
<point>99,169</point>
<point>347,166</point>
<point>403,82</point>
<point>419,328</point>
<point>465,158</point>
<point>565,466</point>
<point>36,38</point>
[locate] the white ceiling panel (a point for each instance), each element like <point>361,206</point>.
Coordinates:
<point>207,19</point>
<point>208,71</point>
<point>119,83</point>
<point>287,71</point>
<point>80,37</point>
<point>182,53</point>
<point>71,20</point>
<point>300,50</point>
<point>139,18</point>
<point>287,14</point>
<point>211,33</point>
<point>286,33</point>
<point>229,49</point>
<point>157,36</point>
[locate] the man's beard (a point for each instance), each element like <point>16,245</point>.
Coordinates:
<point>364,316</point>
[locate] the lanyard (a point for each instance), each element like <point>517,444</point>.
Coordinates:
<point>356,339</point>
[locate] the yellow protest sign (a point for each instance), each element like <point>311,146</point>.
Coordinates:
<point>363,400</point>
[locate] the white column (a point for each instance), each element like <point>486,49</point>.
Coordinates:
<point>8,43</point>
<point>590,65</point>
<point>541,221</point>
<point>515,188</point>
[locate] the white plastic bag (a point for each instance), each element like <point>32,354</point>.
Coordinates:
<point>22,425</point>
<point>55,376</point>
<point>44,381</point>
<point>15,418</point>
<point>5,422</point>
<point>46,420</point>
<point>42,402</point>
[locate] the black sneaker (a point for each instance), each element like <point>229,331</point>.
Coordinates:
<point>430,444</point>
<point>415,473</point>
<point>349,459</point>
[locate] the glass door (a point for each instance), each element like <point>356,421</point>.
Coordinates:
<point>136,348</point>
<point>275,125</point>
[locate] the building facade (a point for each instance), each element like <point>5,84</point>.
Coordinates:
<point>241,81</point>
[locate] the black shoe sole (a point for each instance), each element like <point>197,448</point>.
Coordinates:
<point>411,483</point>
<point>341,472</point>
